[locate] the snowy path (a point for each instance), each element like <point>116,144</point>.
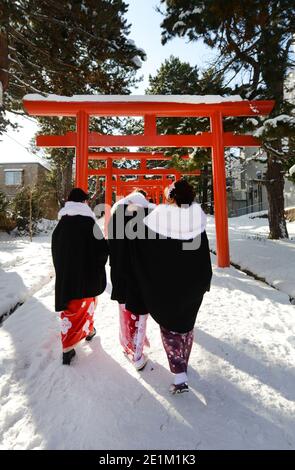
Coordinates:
<point>242,378</point>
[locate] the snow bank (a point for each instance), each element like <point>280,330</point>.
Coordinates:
<point>272,260</point>
<point>24,268</point>
<point>46,225</point>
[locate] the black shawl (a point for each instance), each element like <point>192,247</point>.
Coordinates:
<point>122,226</point>
<point>118,246</point>
<point>79,259</point>
<point>172,280</point>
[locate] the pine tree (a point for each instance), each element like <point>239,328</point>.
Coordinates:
<point>254,40</point>
<point>3,203</point>
<point>66,47</point>
<point>28,209</point>
<point>7,221</point>
<point>3,66</point>
<point>177,77</point>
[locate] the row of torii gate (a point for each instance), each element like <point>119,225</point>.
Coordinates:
<point>82,107</point>
<point>152,180</point>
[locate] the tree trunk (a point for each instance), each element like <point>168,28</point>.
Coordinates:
<point>3,64</point>
<point>212,196</point>
<point>275,194</point>
<point>93,200</point>
<point>30,215</point>
<point>66,181</point>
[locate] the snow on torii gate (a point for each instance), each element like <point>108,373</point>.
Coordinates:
<point>151,107</point>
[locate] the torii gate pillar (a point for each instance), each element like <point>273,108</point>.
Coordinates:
<point>108,191</point>
<point>82,121</point>
<point>219,186</point>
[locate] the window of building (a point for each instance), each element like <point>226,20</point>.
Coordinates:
<point>13,177</point>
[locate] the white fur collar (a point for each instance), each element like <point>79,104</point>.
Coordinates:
<point>76,208</point>
<point>136,199</point>
<point>181,223</point>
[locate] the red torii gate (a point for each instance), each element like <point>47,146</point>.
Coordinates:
<point>151,107</point>
<point>153,188</point>
<point>109,171</point>
<point>157,185</point>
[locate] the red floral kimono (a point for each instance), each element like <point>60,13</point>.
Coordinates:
<point>132,333</point>
<point>77,321</point>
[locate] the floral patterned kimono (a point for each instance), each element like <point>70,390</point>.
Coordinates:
<point>132,333</point>
<point>77,321</point>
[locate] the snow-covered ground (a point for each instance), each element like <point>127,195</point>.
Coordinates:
<point>242,374</point>
<point>272,260</point>
<point>24,268</point>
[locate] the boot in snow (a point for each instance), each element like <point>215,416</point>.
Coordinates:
<point>68,356</point>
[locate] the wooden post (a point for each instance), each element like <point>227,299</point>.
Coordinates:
<point>108,192</point>
<point>82,121</point>
<point>219,186</point>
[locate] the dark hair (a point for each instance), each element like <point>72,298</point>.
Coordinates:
<point>78,195</point>
<point>183,193</point>
<point>141,191</point>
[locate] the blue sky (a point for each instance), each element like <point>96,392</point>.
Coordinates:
<point>146,32</point>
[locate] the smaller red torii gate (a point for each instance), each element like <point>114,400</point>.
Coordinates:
<point>153,188</point>
<point>109,171</point>
<point>150,108</point>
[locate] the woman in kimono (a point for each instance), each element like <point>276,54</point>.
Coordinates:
<point>125,215</point>
<point>172,268</point>
<point>79,253</point>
